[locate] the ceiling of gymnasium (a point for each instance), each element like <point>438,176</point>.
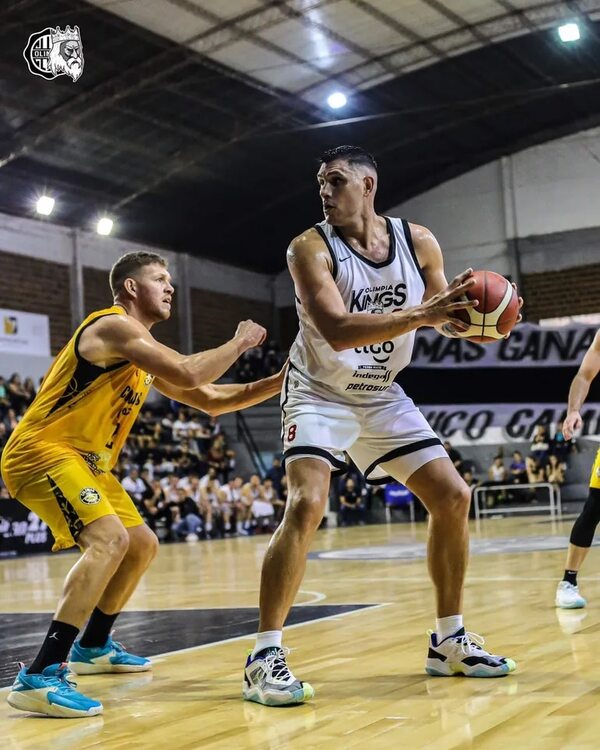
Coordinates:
<point>197,123</point>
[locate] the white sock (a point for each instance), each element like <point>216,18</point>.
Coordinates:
<point>266,639</point>
<point>445,626</point>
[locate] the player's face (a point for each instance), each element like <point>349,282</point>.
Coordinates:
<point>342,191</point>
<point>155,291</point>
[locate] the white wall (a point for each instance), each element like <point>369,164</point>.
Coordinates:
<point>556,189</point>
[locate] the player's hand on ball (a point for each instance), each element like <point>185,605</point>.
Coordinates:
<point>520,318</point>
<point>572,422</point>
<point>442,307</point>
<point>250,334</point>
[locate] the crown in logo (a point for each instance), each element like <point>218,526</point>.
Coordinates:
<point>68,35</point>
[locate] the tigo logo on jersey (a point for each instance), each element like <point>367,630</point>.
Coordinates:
<point>89,496</point>
<point>51,53</point>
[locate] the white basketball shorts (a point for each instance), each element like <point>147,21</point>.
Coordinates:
<point>370,435</point>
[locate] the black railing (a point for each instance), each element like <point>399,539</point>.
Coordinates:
<point>245,435</point>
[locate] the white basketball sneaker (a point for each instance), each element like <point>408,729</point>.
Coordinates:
<point>462,653</point>
<point>268,680</point>
<point>568,596</point>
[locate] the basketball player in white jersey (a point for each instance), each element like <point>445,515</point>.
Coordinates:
<point>340,397</point>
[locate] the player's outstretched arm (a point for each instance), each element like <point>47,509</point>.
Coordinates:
<point>310,266</point>
<point>589,368</point>
<point>116,337</point>
<point>221,399</point>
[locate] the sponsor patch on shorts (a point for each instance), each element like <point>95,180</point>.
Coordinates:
<point>89,496</point>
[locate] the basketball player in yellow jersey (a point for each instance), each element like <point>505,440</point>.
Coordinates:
<point>58,463</point>
<point>582,534</point>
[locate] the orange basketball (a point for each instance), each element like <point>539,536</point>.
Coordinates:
<point>497,309</point>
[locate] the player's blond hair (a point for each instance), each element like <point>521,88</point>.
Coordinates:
<point>128,265</point>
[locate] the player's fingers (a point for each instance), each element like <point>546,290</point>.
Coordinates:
<point>461,277</point>
<point>462,304</point>
<point>458,324</point>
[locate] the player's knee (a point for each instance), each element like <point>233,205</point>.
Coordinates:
<point>457,502</point>
<point>582,534</point>
<point>306,509</point>
<point>106,538</point>
<point>143,544</point>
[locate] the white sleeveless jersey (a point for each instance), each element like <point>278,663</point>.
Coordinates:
<point>364,375</point>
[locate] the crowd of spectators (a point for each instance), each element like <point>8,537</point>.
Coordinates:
<point>15,396</point>
<point>181,473</point>
<point>546,462</point>
<point>259,362</point>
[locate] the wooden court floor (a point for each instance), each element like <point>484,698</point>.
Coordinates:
<point>366,664</point>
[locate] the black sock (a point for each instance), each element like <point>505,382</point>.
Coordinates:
<point>571,577</point>
<point>56,646</point>
<point>98,629</point>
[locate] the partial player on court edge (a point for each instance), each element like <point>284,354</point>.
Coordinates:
<point>582,534</point>
<point>340,397</point>
<point>58,463</point>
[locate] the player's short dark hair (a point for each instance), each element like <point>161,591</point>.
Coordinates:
<point>128,264</point>
<point>351,154</point>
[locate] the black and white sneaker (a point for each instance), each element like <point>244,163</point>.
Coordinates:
<point>462,653</point>
<point>268,680</point>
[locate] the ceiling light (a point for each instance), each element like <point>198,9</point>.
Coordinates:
<point>44,205</point>
<point>105,225</point>
<point>569,32</point>
<point>337,100</point>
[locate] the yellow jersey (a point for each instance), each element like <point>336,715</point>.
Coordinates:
<point>80,407</point>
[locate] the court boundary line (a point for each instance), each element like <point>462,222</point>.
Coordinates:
<point>363,608</point>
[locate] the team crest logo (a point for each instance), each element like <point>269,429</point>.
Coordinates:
<point>89,496</point>
<point>11,326</point>
<point>51,53</point>
<point>148,379</point>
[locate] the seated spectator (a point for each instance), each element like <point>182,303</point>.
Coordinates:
<point>517,469</point>
<point>497,471</point>
<point>554,471</point>
<point>231,496</point>
<point>187,520</point>
<point>156,510</point>
<point>352,509</point>
<point>216,457</point>
<point>470,479</point>
<point>182,427</point>
<point>497,474</point>
<point>275,474</point>
<point>272,359</point>
<point>134,486</point>
<point>540,445</point>
<point>4,400</point>
<point>560,447</point>
<point>535,472</point>
<point>454,456</point>
<point>17,395</point>
<point>210,505</point>
<point>251,491</point>
<point>29,389</point>
<point>11,420</point>
<point>396,495</point>
<point>263,514</point>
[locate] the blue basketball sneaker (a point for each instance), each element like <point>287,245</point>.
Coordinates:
<point>268,680</point>
<point>111,657</point>
<point>51,693</point>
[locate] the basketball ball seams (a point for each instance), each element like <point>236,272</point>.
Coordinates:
<point>497,309</point>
